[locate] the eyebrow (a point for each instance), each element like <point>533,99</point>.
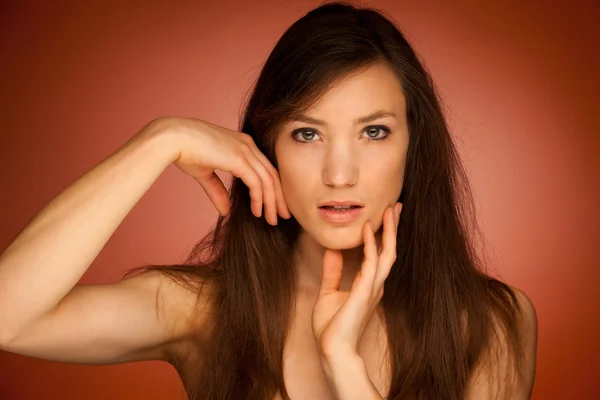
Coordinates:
<point>361,120</point>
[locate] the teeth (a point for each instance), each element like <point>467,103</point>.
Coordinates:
<point>339,207</point>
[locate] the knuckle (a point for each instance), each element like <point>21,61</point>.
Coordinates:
<point>390,260</point>
<point>269,180</point>
<point>273,171</point>
<point>249,140</point>
<point>246,149</point>
<point>241,161</point>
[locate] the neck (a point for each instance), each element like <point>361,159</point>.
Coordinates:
<point>308,261</point>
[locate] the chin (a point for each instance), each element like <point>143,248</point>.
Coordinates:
<point>340,241</point>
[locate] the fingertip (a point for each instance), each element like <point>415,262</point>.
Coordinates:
<point>369,237</point>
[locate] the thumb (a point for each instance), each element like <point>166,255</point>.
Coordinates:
<point>333,265</point>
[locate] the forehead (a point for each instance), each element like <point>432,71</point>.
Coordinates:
<point>368,90</point>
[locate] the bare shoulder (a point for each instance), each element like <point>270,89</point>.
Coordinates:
<point>186,313</point>
<point>529,315</point>
<point>528,327</point>
<point>529,335</point>
<point>496,374</point>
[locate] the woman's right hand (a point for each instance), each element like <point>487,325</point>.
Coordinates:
<point>204,147</point>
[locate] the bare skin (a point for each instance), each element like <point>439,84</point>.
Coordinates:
<point>334,160</point>
<point>341,159</point>
<point>44,313</point>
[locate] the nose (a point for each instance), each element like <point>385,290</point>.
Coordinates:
<point>340,166</point>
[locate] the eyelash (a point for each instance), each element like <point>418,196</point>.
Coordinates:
<point>380,127</point>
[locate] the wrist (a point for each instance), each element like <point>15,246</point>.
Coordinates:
<point>349,378</point>
<point>340,365</point>
<point>163,137</point>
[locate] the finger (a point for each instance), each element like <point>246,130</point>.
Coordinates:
<point>248,175</point>
<point>216,192</point>
<point>388,254</point>
<point>362,286</point>
<point>282,207</point>
<point>267,185</point>
<point>333,265</point>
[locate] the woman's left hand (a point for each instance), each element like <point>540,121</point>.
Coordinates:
<point>339,318</point>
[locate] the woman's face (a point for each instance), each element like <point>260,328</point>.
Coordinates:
<point>328,156</point>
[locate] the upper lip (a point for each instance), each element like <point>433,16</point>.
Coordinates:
<point>341,203</point>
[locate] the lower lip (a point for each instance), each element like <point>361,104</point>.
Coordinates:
<point>340,216</point>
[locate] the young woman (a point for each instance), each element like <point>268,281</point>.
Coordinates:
<point>343,264</point>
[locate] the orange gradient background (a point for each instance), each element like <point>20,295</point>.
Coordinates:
<point>520,86</point>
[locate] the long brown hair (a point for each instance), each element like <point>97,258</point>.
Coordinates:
<point>439,304</point>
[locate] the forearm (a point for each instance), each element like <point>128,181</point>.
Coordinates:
<point>53,251</point>
<point>349,379</point>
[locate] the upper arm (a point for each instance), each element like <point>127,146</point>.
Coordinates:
<point>520,386</point>
<point>112,323</point>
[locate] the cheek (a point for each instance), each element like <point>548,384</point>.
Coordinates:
<point>294,182</point>
<point>390,179</point>
<point>301,185</point>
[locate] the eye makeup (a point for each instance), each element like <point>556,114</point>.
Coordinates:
<point>381,128</point>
